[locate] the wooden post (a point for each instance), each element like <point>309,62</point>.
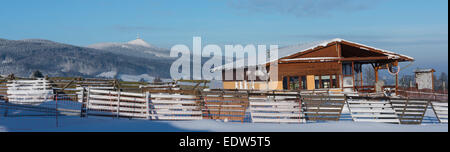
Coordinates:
<point>361,76</point>
<point>353,74</point>
<point>83,103</point>
<point>56,109</point>
<point>300,107</point>
<point>425,109</point>
<point>376,74</point>
<point>396,84</point>
<point>87,101</point>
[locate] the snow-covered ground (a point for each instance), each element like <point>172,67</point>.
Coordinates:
<point>96,124</point>
<point>28,121</point>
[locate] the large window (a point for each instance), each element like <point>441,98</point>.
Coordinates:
<point>347,68</point>
<point>326,81</point>
<point>294,83</point>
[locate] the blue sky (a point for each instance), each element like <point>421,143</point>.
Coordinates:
<point>416,28</point>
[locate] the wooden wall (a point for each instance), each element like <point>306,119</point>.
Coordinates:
<point>303,69</point>
<point>329,51</point>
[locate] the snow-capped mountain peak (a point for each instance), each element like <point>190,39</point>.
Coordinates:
<point>139,42</point>
<point>137,47</point>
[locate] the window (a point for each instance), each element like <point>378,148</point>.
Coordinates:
<point>323,81</point>
<point>334,81</point>
<point>303,83</point>
<point>326,82</point>
<point>285,83</point>
<point>347,68</point>
<point>294,83</point>
<point>317,82</point>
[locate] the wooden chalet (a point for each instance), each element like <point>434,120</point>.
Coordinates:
<point>332,64</point>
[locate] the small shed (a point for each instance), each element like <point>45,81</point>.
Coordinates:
<point>424,78</point>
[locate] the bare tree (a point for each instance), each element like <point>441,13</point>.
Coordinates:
<point>157,79</point>
<point>406,81</point>
<point>442,82</point>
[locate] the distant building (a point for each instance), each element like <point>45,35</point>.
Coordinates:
<point>333,64</point>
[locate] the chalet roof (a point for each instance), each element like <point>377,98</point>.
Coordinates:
<point>299,48</point>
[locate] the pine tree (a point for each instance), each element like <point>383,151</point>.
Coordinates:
<point>36,74</point>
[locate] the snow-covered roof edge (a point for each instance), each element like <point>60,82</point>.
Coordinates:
<point>423,70</point>
<point>389,53</point>
<point>310,46</point>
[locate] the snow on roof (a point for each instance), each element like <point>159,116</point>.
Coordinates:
<point>423,70</point>
<point>314,58</point>
<point>294,49</point>
<point>390,54</point>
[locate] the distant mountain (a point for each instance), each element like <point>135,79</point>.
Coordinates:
<point>22,57</point>
<point>138,48</point>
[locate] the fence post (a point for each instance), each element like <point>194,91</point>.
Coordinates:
<point>147,103</point>
<point>56,101</point>
<point>299,98</point>
<point>118,104</point>
<point>56,109</point>
<point>87,101</point>
<point>83,103</point>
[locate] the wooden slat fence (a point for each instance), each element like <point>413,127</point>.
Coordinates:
<point>3,89</point>
<point>441,110</point>
<point>276,108</point>
<point>323,107</point>
<point>225,105</point>
<point>29,91</point>
<point>161,87</point>
<point>410,111</point>
<point>367,109</point>
<point>73,88</point>
<point>175,107</point>
<point>117,104</point>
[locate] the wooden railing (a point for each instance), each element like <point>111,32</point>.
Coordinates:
<point>423,94</point>
<point>225,105</point>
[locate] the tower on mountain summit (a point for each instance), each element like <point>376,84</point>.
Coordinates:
<point>139,41</point>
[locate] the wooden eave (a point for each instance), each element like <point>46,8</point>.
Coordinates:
<point>384,57</point>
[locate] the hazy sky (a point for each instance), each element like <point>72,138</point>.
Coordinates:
<point>417,28</point>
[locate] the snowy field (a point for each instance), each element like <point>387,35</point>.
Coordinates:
<point>91,124</point>
<point>28,121</point>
